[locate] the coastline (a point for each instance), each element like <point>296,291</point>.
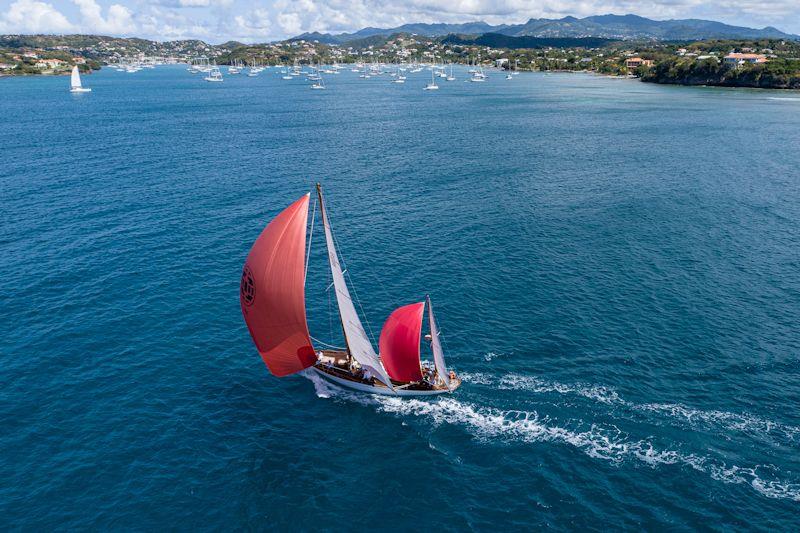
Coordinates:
<point>725,85</point>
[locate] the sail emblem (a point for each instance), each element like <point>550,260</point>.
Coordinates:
<point>248,286</point>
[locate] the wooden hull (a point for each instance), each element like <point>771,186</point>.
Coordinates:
<point>379,389</point>
<point>331,367</point>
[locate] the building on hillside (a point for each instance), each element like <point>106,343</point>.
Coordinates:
<point>49,64</point>
<point>633,63</point>
<point>735,59</point>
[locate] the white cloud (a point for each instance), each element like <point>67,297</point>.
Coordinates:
<point>194,3</point>
<point>118,22</point>
<point>31,16</point>
<point>191,3</point>
<point>254,26</point>
<point>264,20</point>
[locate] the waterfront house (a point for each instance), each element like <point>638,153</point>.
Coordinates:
<point>633,63</point>
<point>49,64</point>
<point>735,59</point>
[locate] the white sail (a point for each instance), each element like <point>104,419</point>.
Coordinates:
<point>357,341</point>
<point>76,78</point>
<point>436,346</point>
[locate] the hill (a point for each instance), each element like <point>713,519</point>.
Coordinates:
<point>616,27</point>
<point>497,40</point>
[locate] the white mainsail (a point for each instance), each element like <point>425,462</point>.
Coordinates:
<point>76,78</point>
<point>436,346</point>
<point>357,341</point>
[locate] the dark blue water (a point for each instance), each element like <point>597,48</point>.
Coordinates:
<point>614,266</point>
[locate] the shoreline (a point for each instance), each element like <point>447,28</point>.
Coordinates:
<point>554,71</point>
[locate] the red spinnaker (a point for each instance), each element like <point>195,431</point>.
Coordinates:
<point>272,293</point>
<point>399,343</point>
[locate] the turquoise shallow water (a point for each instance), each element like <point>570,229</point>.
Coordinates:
<point>614,267</point>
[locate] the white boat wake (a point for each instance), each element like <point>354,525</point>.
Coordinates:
<point>741,422</point>
<point>600,441</point>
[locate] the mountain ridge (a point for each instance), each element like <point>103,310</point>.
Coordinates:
<point>608,26</point>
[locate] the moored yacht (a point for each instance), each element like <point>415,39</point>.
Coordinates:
<point>214,74</point>
<point>432,85</point>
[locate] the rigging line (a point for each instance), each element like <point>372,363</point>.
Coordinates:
<point>346,271</point>
<point>369,327</point>
<point>375,277</point>
<point>330,311</point>
<point>323,343</point>
<point>310,237</point>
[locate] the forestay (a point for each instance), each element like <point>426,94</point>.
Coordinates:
<point>356,338</point>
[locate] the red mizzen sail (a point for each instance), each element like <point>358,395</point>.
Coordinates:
<point>272,292</point>
<point>399,343</point>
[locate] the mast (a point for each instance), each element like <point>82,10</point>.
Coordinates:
<point>359,347</point>
<point>324,217</point>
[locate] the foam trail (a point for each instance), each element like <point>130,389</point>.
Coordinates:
<point>593,392</point>
<point>603,442</point>
<point>491,355</point>
<point>741,422</point>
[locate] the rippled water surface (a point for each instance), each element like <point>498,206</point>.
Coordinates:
<point>614,267</point>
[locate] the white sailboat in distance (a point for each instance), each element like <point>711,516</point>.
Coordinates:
<point>272,299</point>
<point>432,85</point>
<point>75,82</point>
<point>215,75</point>
<point>318,83</point>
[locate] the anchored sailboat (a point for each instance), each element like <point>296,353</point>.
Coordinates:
<point>214,74</point>
<point>272,298</point>
<point>432,85</point>
<point>75,82</point>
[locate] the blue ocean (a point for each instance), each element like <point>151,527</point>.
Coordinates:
<point>615,268</point>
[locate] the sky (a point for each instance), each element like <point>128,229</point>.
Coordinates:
<point>217,21</point>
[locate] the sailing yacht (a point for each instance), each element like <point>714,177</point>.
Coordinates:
<point>75,82</point>
<point>254,70</point>
<point>432,85</point>
<point>214,74</point>
<point>272,299</point>
<point>318,83</point>
<point>478,75</point>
